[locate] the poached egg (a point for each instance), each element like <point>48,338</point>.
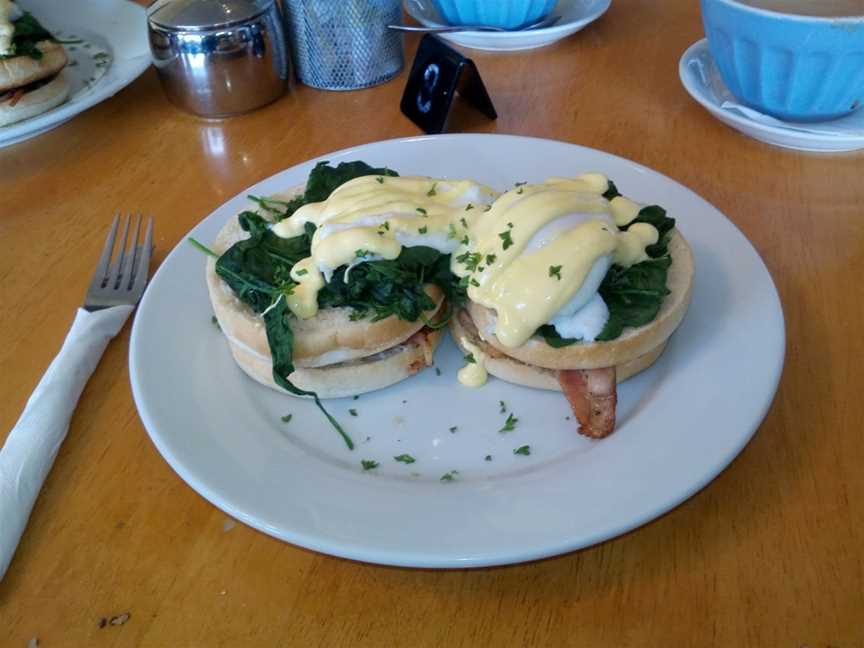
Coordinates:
<point>374,217</point>
<point>539,255</point>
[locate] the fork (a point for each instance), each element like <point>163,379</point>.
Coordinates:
<point>30,449</point>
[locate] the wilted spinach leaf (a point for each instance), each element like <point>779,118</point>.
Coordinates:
<point>384,288</point>
<point>280,337</point>
<point>28,32</point>
<point>656,216</point>
<point>611,192</point>
<point>553,338</point>
<point>634,295</point>
<point>258,268</point>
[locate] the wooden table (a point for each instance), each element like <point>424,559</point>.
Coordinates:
<point>769,554</point>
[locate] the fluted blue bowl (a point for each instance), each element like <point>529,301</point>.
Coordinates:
<point>509,14</point>
<point>794,67</point>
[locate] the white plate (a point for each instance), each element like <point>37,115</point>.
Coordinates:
<point>575,14</point>
<point>702,80</point>
<point>115,28</point>
<point>680,423</point>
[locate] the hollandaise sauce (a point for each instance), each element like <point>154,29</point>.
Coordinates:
<point>371,218</point>
<point>536,254</point>
<point>540,253</point>
<point>473,374</point>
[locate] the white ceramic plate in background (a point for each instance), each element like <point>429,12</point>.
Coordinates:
<point>575,14</point>
<point>702,80</point>
<point>680,422</point>
<point>116,28</point>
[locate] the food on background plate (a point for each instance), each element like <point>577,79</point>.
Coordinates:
<point>342,286</point>
<point>31,61</point>
<point>571,287</point>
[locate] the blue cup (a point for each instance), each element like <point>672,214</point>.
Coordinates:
<point>508,14</point>
<point>793,67</point>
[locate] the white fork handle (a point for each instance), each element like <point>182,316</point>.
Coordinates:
<point>29,451</point>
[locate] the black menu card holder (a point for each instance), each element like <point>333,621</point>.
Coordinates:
<point>438,74</point>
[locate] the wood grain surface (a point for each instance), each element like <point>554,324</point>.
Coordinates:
<point>769,554</point>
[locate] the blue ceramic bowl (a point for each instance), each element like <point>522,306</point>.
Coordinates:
<point>509,14</point>
<point>794,67</point>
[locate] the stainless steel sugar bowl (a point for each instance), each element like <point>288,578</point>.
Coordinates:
<point>218,58</point>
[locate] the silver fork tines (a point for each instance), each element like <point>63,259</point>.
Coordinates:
<point>123,281</point>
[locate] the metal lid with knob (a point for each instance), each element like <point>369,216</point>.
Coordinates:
<point>200,15</point>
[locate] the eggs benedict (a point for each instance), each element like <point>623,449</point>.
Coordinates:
<point>341,288</point>
<point>30,63</point>
<point>571,287</point>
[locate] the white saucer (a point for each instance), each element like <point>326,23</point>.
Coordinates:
<point>575,14</point>
<point>702,80</point>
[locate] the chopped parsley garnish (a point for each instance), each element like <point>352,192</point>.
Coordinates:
<point>287,418</point>
<point>487,208</point>
<point>422,211</point>
<point>380,180</point>
<point>490,259</point>
<point>463,282</point>
<point>352,412</point>
<point>522,450</point>
<point>470,260</point>
<point>215,322</point>
<point>470,359</point>
<point>386,225</point>
<point>503,409</point>
<point>362,253</point>
<point>451,232</point>
<point>368,464</point>
<point>555,271</point>
<point>465,240</point>
<point>469,206</point>
<point>437,371</point>
<point>464,222</point>
<point>432,191</point>
<point>405,458</point>
<point>422,230</point>
<point>520,190</point>
<point>487,458</point>
<point>506,239</point>
<point>509,424</point>
<point>302,271</point>
<point>449,476</point>
<point>475,283</point>
<point>520,184</point>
